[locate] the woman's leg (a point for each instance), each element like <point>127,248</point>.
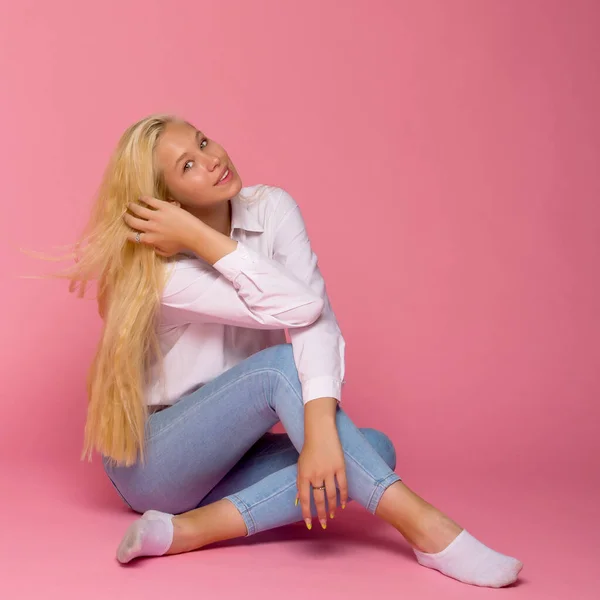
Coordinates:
<point>263,487</point>
<point>193,444</point>
<point>264,480</point>
<point>369,477</point>
<point>274,452</point>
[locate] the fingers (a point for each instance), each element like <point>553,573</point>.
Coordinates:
<point>141,226</point>
<point>331,495</point>
<point>145,238</point>
<point>132,237</point>
<point>324,499</point>
<point>145,220</point>
<point>154,202</point>
<point>135,223</point>
<point>142,219</point>
<point>304,492</point>
<point>343,486</point>
<point>319,496</point>
<point>141,211</point>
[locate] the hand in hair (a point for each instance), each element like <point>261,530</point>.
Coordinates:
<point>165,226</point>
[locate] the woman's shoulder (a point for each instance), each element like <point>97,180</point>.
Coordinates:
<point>261,195</point>
<point>267,203</point>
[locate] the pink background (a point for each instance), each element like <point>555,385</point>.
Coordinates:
<point>444,152</point>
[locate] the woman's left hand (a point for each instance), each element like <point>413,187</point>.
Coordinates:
<point>321,462</point>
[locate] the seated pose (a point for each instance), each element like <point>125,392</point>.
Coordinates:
<point>198,280</point>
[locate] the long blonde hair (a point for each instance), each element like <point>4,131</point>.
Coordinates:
<point>131,279</point>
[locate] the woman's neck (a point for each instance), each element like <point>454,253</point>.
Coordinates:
<point>218,217</point>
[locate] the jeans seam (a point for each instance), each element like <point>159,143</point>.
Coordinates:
<point>185,414</point>
<point>244,511</point>
<point>393,476</point>
<point>266,452</point>
<point>291,385</point>
<point>248,509</point>
<point>280,491</point>
<point>377,482</point>
<point>380,486</point>
<point>119,491</point>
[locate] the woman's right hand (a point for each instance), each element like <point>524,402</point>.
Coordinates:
<point>165,226</point>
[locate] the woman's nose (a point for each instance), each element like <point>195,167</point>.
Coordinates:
<point>212,162</point>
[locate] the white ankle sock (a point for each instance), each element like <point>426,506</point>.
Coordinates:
<point>470,561</point>
<point>150,535</point>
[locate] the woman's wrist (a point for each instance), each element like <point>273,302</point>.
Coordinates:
<point>208,243</point>
<point>319,416</point>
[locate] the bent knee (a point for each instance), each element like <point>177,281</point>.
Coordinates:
<point>282,354</point>
<point>281,358</point>
<point>277,356</point>
<point>280,371</point>
<point>382,444</point>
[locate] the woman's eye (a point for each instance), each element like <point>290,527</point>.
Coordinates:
<point>191,161</point>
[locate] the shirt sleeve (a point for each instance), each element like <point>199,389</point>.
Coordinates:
<point>319,347</point>
<point>244,289</point>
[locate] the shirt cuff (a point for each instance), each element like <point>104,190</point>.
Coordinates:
<point>322,387</point>
<point>232,264</point>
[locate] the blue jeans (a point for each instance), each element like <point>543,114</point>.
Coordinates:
<point>215,443</point>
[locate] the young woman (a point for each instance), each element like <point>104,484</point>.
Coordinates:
<point>199,278</point>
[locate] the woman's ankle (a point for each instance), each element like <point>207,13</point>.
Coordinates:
<point>433,531</point>
<point>212,523</point>
<point>187,534</point>
<point>400,506</point>
<point>423,526</point>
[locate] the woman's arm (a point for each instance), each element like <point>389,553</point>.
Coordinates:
<point>319,347</point>
<point>237,286</point>
<point>319,355</point>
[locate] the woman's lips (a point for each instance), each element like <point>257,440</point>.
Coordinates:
<point>227,177</point>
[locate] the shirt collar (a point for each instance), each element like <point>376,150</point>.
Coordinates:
<point>242,217</point>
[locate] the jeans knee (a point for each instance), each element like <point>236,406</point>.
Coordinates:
<point>284,354</point>
<point>279,354</point>
<point>281,358</point>
<point>382,444</point>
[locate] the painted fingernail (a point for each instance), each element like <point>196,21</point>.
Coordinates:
<point>331,515</point>
<point>343,505</point>
<point>296,503</point>
<point>308,523</point>
<point>323,523</point>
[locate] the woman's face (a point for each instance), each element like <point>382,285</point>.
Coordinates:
<point>192,165</point>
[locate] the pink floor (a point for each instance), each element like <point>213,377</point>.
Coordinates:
<point>61,525</point>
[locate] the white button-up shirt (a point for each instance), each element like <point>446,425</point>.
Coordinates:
<point>214,316</point>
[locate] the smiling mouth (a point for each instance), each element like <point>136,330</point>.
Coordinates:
<point>225,175</point>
